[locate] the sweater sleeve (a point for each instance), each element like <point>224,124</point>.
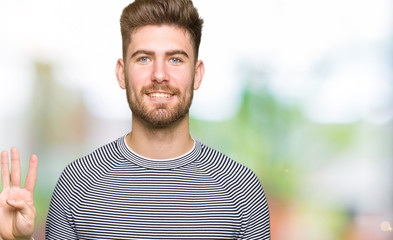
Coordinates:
<point>59,221</point>
<point>243,186</point>
<point>255,210</point>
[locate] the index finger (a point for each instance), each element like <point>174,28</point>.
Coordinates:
<point>5,171</point>
<point>32,174</point>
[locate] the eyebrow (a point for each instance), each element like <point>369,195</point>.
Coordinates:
<point>142,52</point>
<point>151,53</point>
<point>175,52</point>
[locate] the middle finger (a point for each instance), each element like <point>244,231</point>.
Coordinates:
<point>15,167</point>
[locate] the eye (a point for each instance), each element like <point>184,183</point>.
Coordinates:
<point>175,60</point>
<point>143,59</point>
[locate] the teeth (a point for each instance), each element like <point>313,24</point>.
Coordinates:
<point>160,95</point>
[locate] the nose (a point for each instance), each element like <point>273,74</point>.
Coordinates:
<point>160,73</point>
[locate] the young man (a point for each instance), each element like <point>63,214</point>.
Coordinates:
<point>157,182</point>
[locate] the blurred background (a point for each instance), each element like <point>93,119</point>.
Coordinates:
<point>299,91</point>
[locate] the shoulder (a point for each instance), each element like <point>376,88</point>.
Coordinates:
<point>239,181</point>
<point>97,162</point>
<point>225,169</point>
<point>77,178</point>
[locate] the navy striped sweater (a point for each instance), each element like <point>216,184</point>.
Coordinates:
<point>114,193</point>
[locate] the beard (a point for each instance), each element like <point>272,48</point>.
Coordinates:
<point>159,115</point>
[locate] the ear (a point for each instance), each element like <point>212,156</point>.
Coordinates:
<point>199,72</point>
<point>120,73</point>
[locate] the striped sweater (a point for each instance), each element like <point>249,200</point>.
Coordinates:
<point>113,193</point>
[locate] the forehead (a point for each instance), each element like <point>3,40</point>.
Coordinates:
<point>159,38</point>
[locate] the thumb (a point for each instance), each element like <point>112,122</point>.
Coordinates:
<point>25,217</point>
<point>25,208</point>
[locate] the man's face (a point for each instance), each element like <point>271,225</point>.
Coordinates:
<point>160,74</point>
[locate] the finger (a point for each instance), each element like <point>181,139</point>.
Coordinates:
<point>32,174</point>
<point>24,219</point>
<point>25,208</point>
<point>5,171</point>
<point>15,167</point>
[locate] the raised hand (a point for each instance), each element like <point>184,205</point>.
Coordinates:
<point>17,211</point>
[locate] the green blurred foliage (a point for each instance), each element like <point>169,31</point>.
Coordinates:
<point>258,137</point>
<point>274,139</point>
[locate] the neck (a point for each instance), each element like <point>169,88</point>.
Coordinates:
<point>160,143</point>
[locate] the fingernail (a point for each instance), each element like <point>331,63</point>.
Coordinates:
<point>11,201</point>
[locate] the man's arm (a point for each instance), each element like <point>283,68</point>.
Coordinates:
<point>58,222</point>
<point>17,210</point>
<point>256,211</point>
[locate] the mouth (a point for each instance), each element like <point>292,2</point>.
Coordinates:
<point>160,95</point>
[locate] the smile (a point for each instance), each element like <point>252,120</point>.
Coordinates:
<point>159,95</point>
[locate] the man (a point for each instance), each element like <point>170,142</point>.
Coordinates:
<point>156,182</point>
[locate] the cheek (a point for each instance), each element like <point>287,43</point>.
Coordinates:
<point>137,78</point>
<point>183,80</point>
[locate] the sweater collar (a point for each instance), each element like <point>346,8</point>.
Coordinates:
<point>137,159</point>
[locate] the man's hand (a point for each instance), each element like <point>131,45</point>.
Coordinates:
<point>17,211</point>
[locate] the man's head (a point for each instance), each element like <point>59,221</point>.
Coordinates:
<point>160,74</point>
<point>159,69</point>
<point>179,13</point>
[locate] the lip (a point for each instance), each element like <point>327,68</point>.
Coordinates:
<point>160,96</point>
<point>160,91</point>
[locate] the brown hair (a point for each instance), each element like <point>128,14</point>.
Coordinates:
<point>180,13</point>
